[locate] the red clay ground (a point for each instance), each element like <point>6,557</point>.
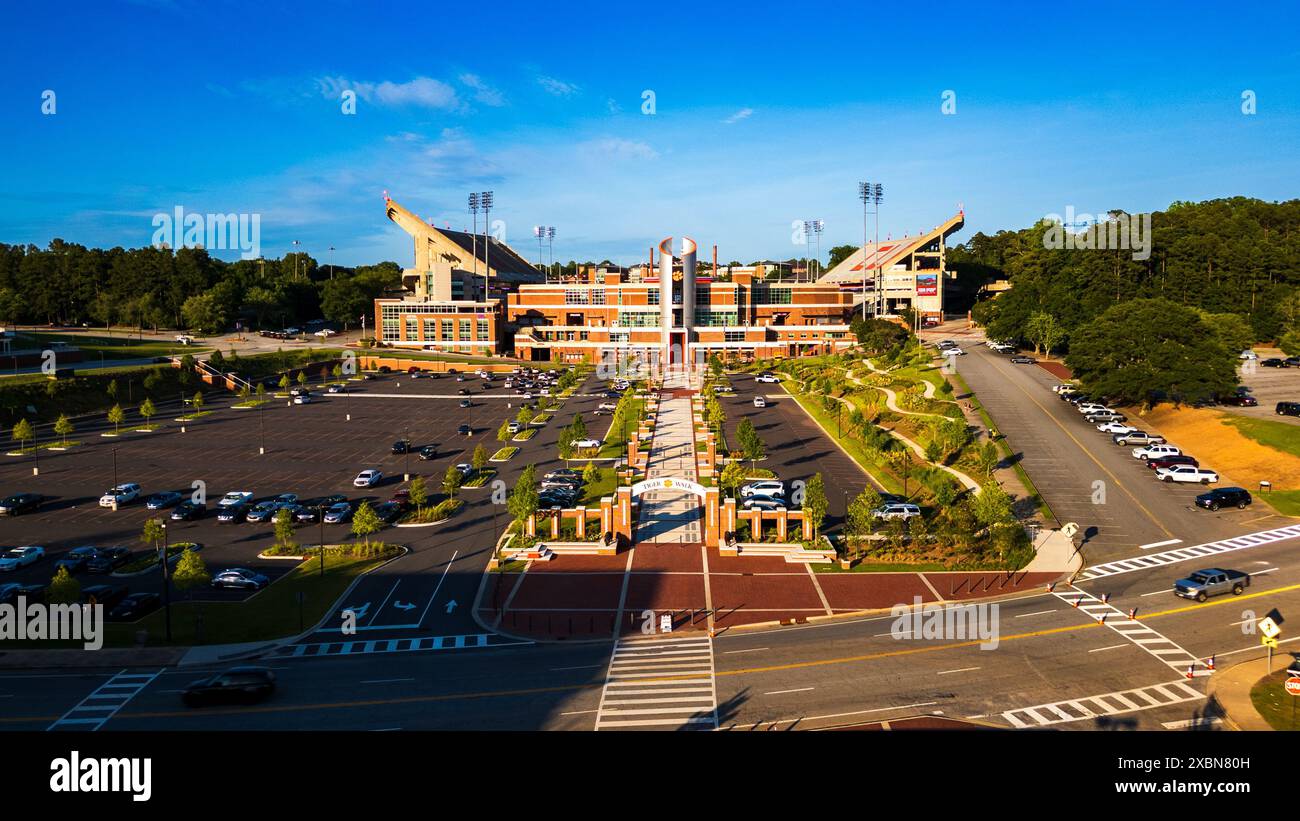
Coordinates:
<point>579,597</point>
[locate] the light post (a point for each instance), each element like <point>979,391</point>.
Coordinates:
<point>871,193</point>
<point>473,209</point>
<point>814,228</point>
<point>166,583</point>
<point>114,467</point>
<point>550,243</point>
<point>539,231</point>
<point>261,424</point>
<point>406,456</point>
<point>485,199</point>
<point>320,514</point>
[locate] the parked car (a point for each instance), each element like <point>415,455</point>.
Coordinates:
<point>1114,428</point>
<point>120,495</point>
<point>303,398</point>
<point>1106,416</point>
<point>240,578</point>
<point>1248,355</point>
<point>1186,473</point>
<point>1023,360</point>
<point>339,513</point>
<point>1237,497</point>
<point>584,444</point>
<point>161,501</point>
<point>236,497</point>
<point>762,503</point>
<point>765,487</point>
<point>367,478</point>
<point>237,512</point>
<point>1154,451</point>
<point>1211,582</point>
<point>263,511</point>
<point>428,452</point>
<point>10,593</point>
<point>388,512</point>
<point>106,594</point>
<point>401,446</point>
<point>1287,409</point>
<point>1138,437</point>
<point>465,403</point>
<point>188,511</point>
<point>135,606</point>
<point>17,557</point>
<point>20,503</point>
<point>607,406</point>
<point>402,498</point>
<point>563,473</point>
<point>1240,400</point>
<point>335,389</point>
<point>464,430</point>
<point>238,685</point>
<point>1172,461</point>
<point>514,427</point>
<point>896,510</point>
<point>1274,362</point>
<point>108,560</point>
<point>75,560</point>
<point>760,402</point>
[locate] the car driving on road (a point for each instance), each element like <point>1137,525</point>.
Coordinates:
<point>1211,582</point>
<point>238,685</point>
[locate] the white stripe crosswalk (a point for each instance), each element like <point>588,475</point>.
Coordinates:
<point>404,645</point>
<point>1106,704</point>
<point>103,703</point>
<point>1184,554</point>
<point>1166,650</point>
<point>660,683</point>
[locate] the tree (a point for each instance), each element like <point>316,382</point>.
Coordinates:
<point>590,474</point>
<point>153,533</point>
<point>23,431</point>
<point>1044,331</point>
<point>1232,330</point>
<point>283,527</point>
<point>503,432</point>
<point>480,457</point>
<point>992,505</point>
<point>112,389</point>
<point>523,499</point>
<point>524,416</point>
<point>989,457</point>
<point>1151,350</point>
<point>147,410</point>
<point>191,572</point>
<point>814,503</point>
<point>732,475</point>
<point>302,378</point>
<point>715,366</point>
<point>750,442</point>
<point>117,416</point>
<point>858,519</point>
<point>197,401</point>
<point>64,427</point>
<point>418,493</point>
<point>63,589</point>
<point>284,382</point>
<point>840,253</point>
<point>451,481</point>
<point>365,522</point>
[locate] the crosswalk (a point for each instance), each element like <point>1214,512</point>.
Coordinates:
<point>660,683</point>
<point>93,711</point>
<point>1183,554</point>
<point>1106,704</point>
<point>1166,650</point>
<point>404,645</point>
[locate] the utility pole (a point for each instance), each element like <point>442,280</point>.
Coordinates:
<point>166,583</point>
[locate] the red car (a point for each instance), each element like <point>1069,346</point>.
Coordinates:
<point>1241,401</point>
<point>1170,461</point>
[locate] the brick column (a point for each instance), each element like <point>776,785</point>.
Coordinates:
<point>623,516</point>
<point>711,516</point>
<point>555,524</point>
<point>807,527</point>
<point>606,514</point>
<point>530,526</point>
<point>633,449</point>
<point>782,517</point>
<point>756,525</point>
<point>582,523</point>
<point>729,516</point>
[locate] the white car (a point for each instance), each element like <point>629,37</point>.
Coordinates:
<point>1115,427</point>
<point>953,352</point>
<point>896,510</point>
<point>514,427</point>
<point>587,443</point>
<point>1248,355</point>
<point>302,399</point>
<point>1155,452</point>
<point>1088,408</point>
<point>607,406</point>
<point>767,487</point>
<point>120,495</point>
<point>235,497</point>
<point>184,339</point>
<point>21,557</point>
<point>760,402</point>
<point>1186,473</point>
<point>1064,388</point>
<point>367,478</point>
<point>326,332</point>
<point>768,378</point>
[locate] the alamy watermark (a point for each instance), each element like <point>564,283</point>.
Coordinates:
<point>1116,231</point>
<point>955,622</point>
<point>215,232</point>
<point>34,621</point>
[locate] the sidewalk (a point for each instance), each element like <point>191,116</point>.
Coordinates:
<point>1230,687</point>
<point>106,657</point>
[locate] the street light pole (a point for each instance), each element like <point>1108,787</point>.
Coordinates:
<point>320,513</point>
<point>166,584</point>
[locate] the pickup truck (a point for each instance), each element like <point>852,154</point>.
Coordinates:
<point>1211,582</point>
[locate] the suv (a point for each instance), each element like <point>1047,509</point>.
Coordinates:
<point>767,487</point>
<point>19,503</point>
<point>120,495</point>
<point>896,510</point>
<point>1155,452</point>
<point>1224,497</point>
<point>1288,409</point>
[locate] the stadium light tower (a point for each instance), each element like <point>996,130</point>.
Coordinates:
<point>473,209</point>
<point>485,199</point>
<point>871,193</point>
<point>814,228</point>
<point>550,242</point>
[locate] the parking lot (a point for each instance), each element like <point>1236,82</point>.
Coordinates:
<point>311,450</point>
<point>1269,386</point>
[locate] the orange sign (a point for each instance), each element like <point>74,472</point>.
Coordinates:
<point>1293,685</point>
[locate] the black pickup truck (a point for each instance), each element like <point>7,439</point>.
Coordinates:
<point>1211,582</point>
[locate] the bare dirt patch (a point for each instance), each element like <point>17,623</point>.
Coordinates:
<point>1221,447</point>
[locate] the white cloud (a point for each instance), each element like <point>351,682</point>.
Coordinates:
<point>484,93</point>
<point>421,91</point>
<point>558,88</point>
<point>618,149</point>
<point>742,114</point>
<point>614,108</point>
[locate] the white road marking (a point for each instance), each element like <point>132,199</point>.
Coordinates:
<point>961,670</point>
<point>1191,723</point>
<point>750,650</point>
<point>1039,613</point>
<point>1112,647</point>
<point>579,667</point>
<point>1106,704</point>
<point>782,692</point>
<point>386,680</point>
<point>1159,544</point>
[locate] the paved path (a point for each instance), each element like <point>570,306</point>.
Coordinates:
<point>671,515</point>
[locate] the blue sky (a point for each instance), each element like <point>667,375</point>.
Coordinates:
<point>765,114</point>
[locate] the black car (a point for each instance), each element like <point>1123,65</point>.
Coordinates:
<point>612,395</point>
<point>238,685</point>
<point>77,559</point>
<point>189,511</point>
<point>388,511</point>
<point>1224,497</point>
<point>1275,363</point>
<point>401,446</point>
<point>1240,400</point>
<point>464,430</point>
<point>33,593</point>
<point>19,503</point>
<point>465,403</point>
<point>1023,360</point>
<point>237,512</point>
<point>1288,409</point>
<point>134,606</point>
<point>106,594</point>
<point>463,392</point>
<point>109,560</point>
<point>428,452</point>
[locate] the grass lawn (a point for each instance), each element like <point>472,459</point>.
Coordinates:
<point>504,454</point>
<point>1285,502</point>
<point>633,408</point>
<point>525,435</point>
<point>1279,708</point>
<point>604,485</point>
<point>1276,435</point>
<point>484,476</point>
<point>271,614</point>
<point>117,347</point>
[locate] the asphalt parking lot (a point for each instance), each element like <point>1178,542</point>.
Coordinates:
<point>796,447</point>
<point>311,450</point>
<point>1083,476</point>
<point>1269,386</point>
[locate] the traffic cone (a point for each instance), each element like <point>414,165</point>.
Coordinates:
<point>1105,598</point>
<point>1132,614</point>
<point>1102,618</point>
<point>1209,665</point>
<point>1075,603</point>
<point>1051,588</point>
<point>1189,670</point>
